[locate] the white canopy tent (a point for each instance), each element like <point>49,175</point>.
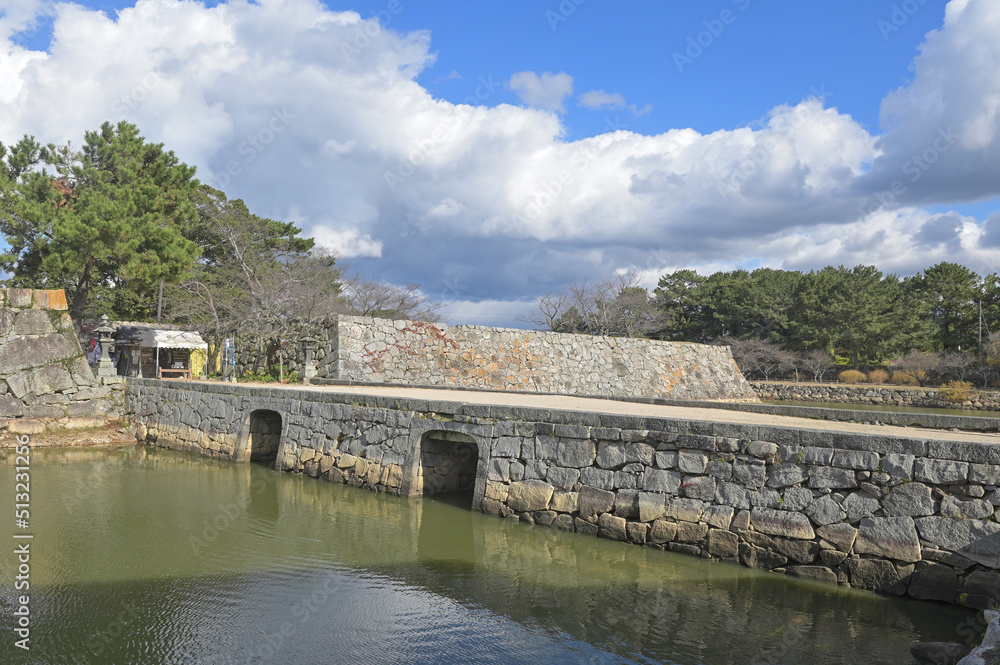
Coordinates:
<point>154,339</point>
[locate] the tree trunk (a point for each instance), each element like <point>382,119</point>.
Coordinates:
<point>82,291</point>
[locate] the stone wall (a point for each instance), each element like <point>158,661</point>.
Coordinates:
<point>875,395</point>
<point>45,381</point>
<point>895,514</point>
<point>411,352</point>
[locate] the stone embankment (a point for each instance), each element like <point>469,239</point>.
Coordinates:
<point>372,350</point>
<point>874,395</point>
<point>900,513</point>
<point>45,381</point>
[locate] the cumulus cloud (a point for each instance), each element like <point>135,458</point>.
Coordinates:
<point>545,92</point>
<point>598,99</point>
<point>315,116</point>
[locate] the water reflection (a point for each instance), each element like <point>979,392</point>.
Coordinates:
<point>158,556</point>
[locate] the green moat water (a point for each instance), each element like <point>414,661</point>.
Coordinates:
<point>142,555</point>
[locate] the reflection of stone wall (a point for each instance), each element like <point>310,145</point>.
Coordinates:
<point>46,381</point>
<point>897,514</point>
<point>412,352</point>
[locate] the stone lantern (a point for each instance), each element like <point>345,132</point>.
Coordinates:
<point>309,346</point>
<point>104,367</point>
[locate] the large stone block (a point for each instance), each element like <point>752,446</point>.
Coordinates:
<point>651,506</point>
<point>685,510</point>
<point>611,455</point>
<point>701,487</point>
<point>874,575</point>
<point>786,475</point>
<point>860,504</point>
<point>594,501</point>
<point>981,590</point>
<point>658,480</point>
<point>692,461</point>
<point>24,352</point>
<point>816,573</point>
<point>841,535</point>
<point>825,510</point>
<point>529,495</point>
<point>824,477</point>
<point>10,406</point>
<point>975,509</point>
<point>899,467</point>
<point>973,539</point>
<point>934,582</point>
<point>890,537</point>
<point>576,452</point>
<point>940,471</point>
<point>561,478</point>
<point>723,544</point>
<point>609,526</point>
<point>782,523</point>
<point>734,495</point>
<point>33,322</point>
<point>909,500</point>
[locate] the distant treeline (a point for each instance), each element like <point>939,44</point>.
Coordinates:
<point>860,315</point>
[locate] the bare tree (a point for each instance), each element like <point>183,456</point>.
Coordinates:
<point>758,357</point>
<point>817,362</point>
<point>616,306</point>
<point>367,296</point>
<point>923,367</point>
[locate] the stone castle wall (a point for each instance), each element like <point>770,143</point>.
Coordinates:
<point>895,514</point>
<point>45,381</point>
<point>874,395</point>
<point>412,352</point>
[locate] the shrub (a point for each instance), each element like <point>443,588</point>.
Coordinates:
<point>851,376</point>
<point>878,376</point>
<point>956,391</point>
<point>901,379</point>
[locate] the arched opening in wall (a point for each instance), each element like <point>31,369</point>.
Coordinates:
<point>448,464</point>
<point>265,435</point>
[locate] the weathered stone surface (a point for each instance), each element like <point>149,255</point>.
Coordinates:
<point>692,461</point>
<point>750,476</point>
<point>584,527</point>
<point>975,509</point>
<point>564,502</point>
<point>874,575</point>
<point>610,526</point>
<point>529,495</point>
<point>576,453</point>
<point>734,495</point>
<point>561,478</point>
<point>23,352</point>
<point>599,478</point>
<point>891,537</point>
<point>666,459</point>
<point>981,590</point>
<point>802,551</point>
<point>817,573</point>
<point>594,501</point>
<point>860,504</point>
<point>796,498</point>
<point>723,544</point>
<point>762,449</point>
<point>856,459</point>
<point>651,506</point>
<point>627,503</point>
<point>785,475</point>
<point>825,510</point>
<point>662,531</point>
<point>658,480</point>
<point>701,487</point>
<point>563,523</point>
<point>25,426</point>
<point>909,500</point>
<point>40,381</point>
<point>636,532</point>
<point>934,582</point>
<point>611,455</point>
<point>987,474</point>
<point>639,453</point>
<point>765,498</point>
<point>720,517</point>
<point>758,557</point>
<point>688,532</point>
<point>973,539</point>
<point>841,535</point>
<point>10,407</point>
<point>825,477</point>
<point>782,523</point>
<point>685,510</point>
<point>832,558</point>
<point>898,466</point>
<point>940,472</point>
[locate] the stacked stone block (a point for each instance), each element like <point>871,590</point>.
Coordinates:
<point>874,395</point>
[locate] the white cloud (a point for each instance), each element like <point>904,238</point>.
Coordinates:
<point>598,99</point>
<point>311,114</point>
<point>546,91</point>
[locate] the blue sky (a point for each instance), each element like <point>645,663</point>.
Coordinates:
<point>494,151</point>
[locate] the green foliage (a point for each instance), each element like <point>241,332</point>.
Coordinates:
<point>108,221</point>
<point>956,391</point>
<point>269,375</point>
<point>852,376</point>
